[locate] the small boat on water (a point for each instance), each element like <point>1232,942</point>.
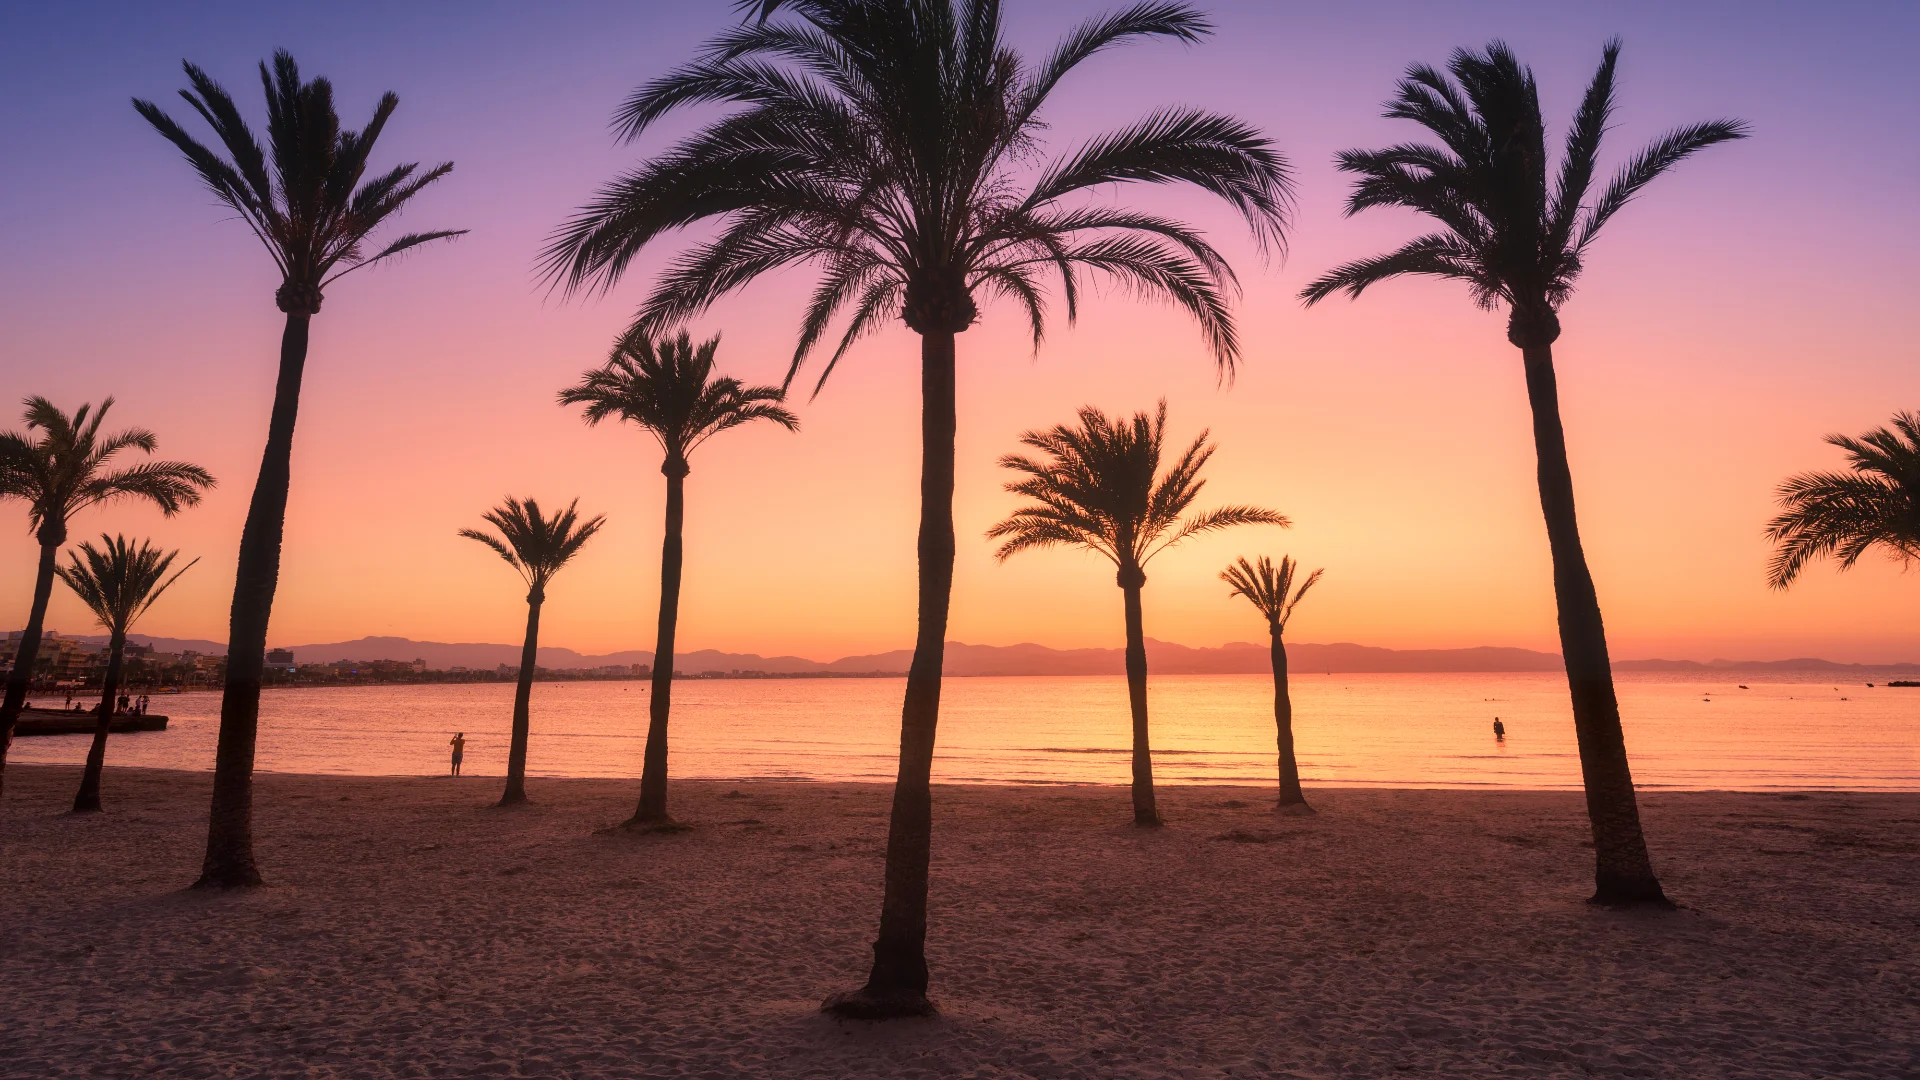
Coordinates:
<point>69,722</point>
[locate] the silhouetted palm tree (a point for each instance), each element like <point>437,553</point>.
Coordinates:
<point>1098,486</point>
<point>668,389</point>
<point>537,546</point>
<point>303,196</point>
<point>118,585</point>
<point>59,467</point>
<point>1266,586</point>
<point>1516,238</point>
<point>895,144</point>
<point>1844,515</point>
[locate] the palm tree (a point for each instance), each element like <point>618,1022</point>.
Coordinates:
<point>118,584</point>
<point>668,389</point>
<point>895,145</point>
<point>1515,239</point>
<point>1266,586</point>
<point>1099,486</point>
<point>303,197</point>
<point>60,466</point>
<point>1844,515</point>
<point>537,547</point>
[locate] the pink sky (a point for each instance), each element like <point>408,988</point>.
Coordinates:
<point>1755,300</point>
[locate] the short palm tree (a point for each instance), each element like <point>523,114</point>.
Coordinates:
<point>306,197</point>
<point>1099,486</point>
<point>668,389</point>
<point>536,546</point>
<point>60,466</point>
<point>1517,237</point>
<point>1844,515</point>
<point>896,146</point>
<point>118,582</point>
<point>1266,587</point>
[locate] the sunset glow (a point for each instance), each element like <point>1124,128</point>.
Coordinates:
<point>1758,299</point>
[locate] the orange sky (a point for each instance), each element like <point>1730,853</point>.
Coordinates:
<point>1755,300</point>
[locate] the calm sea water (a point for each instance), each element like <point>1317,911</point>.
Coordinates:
<point>1377,730</point>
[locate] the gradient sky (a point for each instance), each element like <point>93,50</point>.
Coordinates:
<point>1758,298</point>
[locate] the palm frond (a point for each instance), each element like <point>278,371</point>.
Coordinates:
<point>533,543</point>
<point>1435,255</point>
<point>301,193</point>
<point>892,146</point>
<point>666,386</point>
<point>59,466</point>
<point>1144,20</point>
<point>1225,517</point>
<point>1098,484</point>
<point>117,581</point>
<point>1265,585</point>
<point>1845,515</point>
<point>1510,235</point>
<point>1659,156</point>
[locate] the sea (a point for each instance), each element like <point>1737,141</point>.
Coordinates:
<point>1684,732</point>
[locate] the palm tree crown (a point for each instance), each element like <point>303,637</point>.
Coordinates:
<point>304,200</point>
<point>64,469</point>
<point>119,582</point>
<point>1265,586</point>
<point>1844,515</point>
<point>668,388</point>
<point>886,142</point>
<point>1099,486</point>
<point>1509,234</point>
<point>533,544</point>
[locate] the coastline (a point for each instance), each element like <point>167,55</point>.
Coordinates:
<point>410,929</point>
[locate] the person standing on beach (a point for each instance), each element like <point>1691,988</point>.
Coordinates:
<point>459,744</point>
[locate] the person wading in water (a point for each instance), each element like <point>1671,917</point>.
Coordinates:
<point>459,744</point>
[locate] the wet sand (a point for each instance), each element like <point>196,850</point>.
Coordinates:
<point>411,930</point>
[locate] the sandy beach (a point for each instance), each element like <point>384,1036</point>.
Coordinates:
<point>411,930</point>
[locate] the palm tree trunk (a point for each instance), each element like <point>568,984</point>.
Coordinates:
<point>522,701</point>
<point>1622,872</point>
<point>87,799</point>
<point>20,679</point>
<point>229,860</point>
<point>897,985</point>
<point>1290,793</point>
<point>1145,811</point>
<point>653,773</point>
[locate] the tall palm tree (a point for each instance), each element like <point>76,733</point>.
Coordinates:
<point>304,197</point>
<point>1844,515</point>
<point>118,584</point>
<point>896,145</point>
<point>536,546</point>
<point>668,389</point>
<point>1517,238</point>
<point>1266,587</point>
<point>60,466</point>
<point>1099,486</point>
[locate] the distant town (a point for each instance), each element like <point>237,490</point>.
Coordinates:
<point>70,664</point>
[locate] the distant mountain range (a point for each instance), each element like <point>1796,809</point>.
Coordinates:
<point>1165,658</point>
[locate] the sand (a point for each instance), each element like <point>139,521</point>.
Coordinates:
<point>411,930</point>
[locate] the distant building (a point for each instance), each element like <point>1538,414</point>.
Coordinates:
<point>60,660</point>
<point>281,659</point>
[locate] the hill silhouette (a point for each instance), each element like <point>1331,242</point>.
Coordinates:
<point>1026,658</point>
